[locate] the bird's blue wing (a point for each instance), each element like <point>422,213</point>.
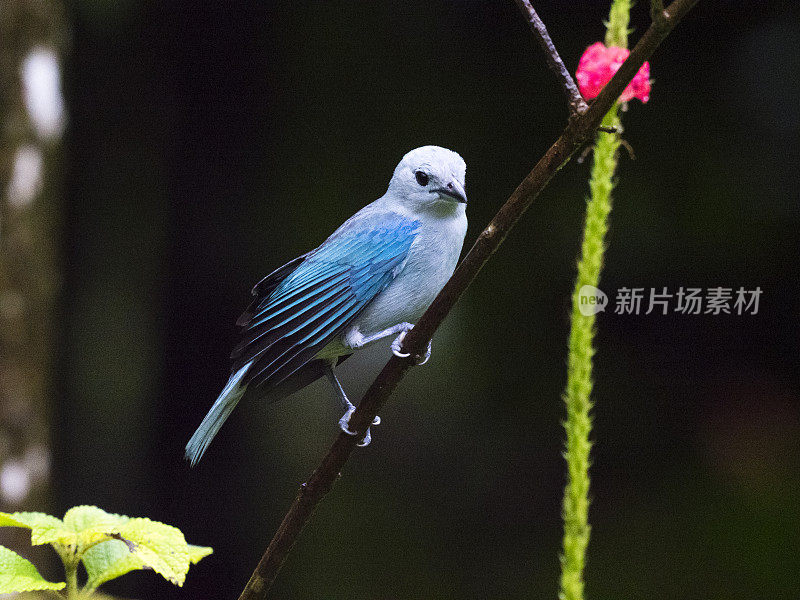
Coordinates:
<point>318,299</point>
<point>266,286</point>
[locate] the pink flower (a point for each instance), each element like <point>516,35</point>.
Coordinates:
<point>598,65</point>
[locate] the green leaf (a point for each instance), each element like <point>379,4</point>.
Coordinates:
<point>6,520</point>
<point>92,525</point>
<point>114,558</point>
<point>160,547</point>
<point>111,545</point>
<point>81,518</point>
<point>19,575</point>
<point>109,560</point>
<point>198,553</point>
<point>45,529</point>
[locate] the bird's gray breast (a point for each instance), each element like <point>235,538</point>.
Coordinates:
<point>431,261</point>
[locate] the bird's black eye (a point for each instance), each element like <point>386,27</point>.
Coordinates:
<point>422,178</point>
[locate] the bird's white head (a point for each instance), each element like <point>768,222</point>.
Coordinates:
<point>430,179</point>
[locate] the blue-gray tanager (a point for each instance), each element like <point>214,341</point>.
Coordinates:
<point>373,278</point>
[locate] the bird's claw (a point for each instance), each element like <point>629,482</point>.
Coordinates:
<point>427,356</point>
<point>397,344</point>
<point>344,422</point>
<point>367,439</point>
<point>344,425</point>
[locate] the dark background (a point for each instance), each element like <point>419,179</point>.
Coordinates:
<point>209,142</point>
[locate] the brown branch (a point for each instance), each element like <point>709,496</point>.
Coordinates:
<point>577,105</point>
<point>578,131</point>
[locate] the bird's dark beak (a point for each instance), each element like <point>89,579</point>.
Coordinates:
<point>455,191</point>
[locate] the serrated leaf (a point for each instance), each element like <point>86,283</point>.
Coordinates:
<point>6,520</point>
<point>159,546</point>
<point>92,525</point>
<point>45,529</point>
<point>198,553</point>
<point>81,518</point>
<point>109,560</point>
<point>19,575</point>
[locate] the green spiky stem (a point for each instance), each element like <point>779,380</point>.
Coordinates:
<point>577,396</point>
<point>618,21</point>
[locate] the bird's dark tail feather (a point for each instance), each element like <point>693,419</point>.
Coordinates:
<point>233,392</point>
<point>220,411</point>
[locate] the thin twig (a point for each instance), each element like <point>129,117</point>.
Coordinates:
<point>578,131</point>
<point>657,11</point>
<point>577,105</point>
<point>628,148</point>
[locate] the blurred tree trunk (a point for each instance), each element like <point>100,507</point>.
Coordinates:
<point>31,43</point>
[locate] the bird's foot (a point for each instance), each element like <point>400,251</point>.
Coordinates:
<point>398,343</point>
<point>344,425</point>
